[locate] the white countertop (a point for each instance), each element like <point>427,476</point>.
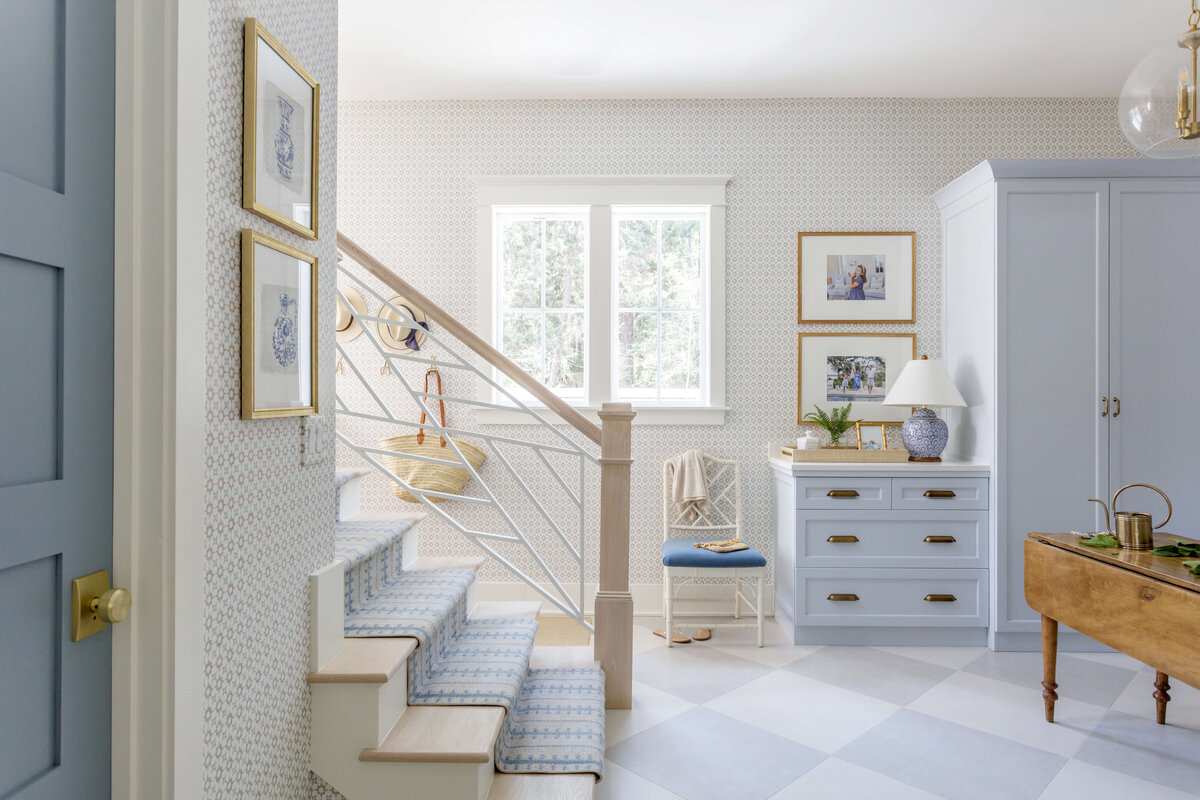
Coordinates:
<point>900,467</point>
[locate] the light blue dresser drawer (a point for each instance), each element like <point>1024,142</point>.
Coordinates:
<point>892,539</point>
<point>843,494</point>
<point>892,597</point>
<point>939,494</point>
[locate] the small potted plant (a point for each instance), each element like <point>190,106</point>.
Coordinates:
<point>836,422</point>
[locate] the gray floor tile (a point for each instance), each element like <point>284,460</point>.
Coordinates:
<point>951,760</point>
<point>877,673</point>
<point>1080,679</point>
<point>697,674</point>
<point>1136,746</point>
<point>703,755</point>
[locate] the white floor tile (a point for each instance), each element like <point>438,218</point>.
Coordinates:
<point>808,711</point>
<point>1110,659</point>
<point>845,781</point>
<point>772,655</point>
<point>1080,781</point>
<point>644,640</point>
<point>650,707</point>
<point>1138,700</point>
<point>1017,714</point>
<point>949,657</point>
<point>621,784</point>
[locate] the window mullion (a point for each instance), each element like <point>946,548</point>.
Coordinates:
<point>601,317</point>
<point>545,372</point>
<point>658,312</point>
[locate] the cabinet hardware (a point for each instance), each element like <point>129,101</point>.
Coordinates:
<point>940,539</point>
<point>842,493</point>
<point>842,539</point>
<point>1104,413</point>
<point>842,598</point>
<point>939,493</point>
<point>1117,402</point>
<point>940,598</point>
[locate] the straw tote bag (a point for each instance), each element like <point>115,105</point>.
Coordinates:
<point>421,474</point>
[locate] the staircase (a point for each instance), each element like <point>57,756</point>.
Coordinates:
<point>420,691</point>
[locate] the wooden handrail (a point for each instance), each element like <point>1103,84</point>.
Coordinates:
<point>459,331</point>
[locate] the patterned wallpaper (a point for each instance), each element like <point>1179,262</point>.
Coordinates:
<point>268,520</point>
<point>406,195</point>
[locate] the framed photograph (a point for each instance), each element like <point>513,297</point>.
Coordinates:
<point>279,329</point>
<point>281,108</point>
<point>856,277</point>
<point>872,436</point>
<point>837,368</point>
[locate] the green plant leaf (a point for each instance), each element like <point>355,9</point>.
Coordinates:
<point>1192,566</point>
<point>1101,540</point>
<point>1180,549</point>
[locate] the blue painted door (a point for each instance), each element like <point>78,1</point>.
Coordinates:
<point>56,373</point>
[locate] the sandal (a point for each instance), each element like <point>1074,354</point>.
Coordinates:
<point>702,634</point>
<point>677,639</point>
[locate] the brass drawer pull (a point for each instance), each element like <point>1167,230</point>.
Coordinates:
<point>842,493</point>
<point>939,493</point>
<point>842,598</point>
<point>940,539</point>
<point>940,598</point>
<point>842,539</point>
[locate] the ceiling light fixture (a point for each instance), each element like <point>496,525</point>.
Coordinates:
<point>1157,108</point>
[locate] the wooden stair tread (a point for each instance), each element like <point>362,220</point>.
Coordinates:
<point>542,787</point>
<point>473,563</point>
<point>510,609</point>
<point>366,660</point>
<point>440,734</point>
<point>581,657</point>
<point>412,517</point>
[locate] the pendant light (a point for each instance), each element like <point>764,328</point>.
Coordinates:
<point>1157,108</point>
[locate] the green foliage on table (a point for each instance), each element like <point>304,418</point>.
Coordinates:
<point>1100,540</point>
<point>1178,550</point>
<point>1192,566</point>
<point>837,422</point>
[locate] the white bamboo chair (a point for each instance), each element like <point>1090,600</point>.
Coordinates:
<point>684,564</point>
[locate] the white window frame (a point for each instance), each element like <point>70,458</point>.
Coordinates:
<point>600,194</point>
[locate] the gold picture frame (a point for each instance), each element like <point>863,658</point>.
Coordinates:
<point>863,428</point>
<point>888,352</point>
<point>274,271</point>
<point>890,293</point>
<point>275,189</point>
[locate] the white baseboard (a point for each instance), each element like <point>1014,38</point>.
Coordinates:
<point>647,598</point>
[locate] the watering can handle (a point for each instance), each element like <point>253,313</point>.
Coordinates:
<point>1147,486</point>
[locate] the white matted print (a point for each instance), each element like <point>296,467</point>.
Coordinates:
<point>281,109</point>
<point>838,368</point>
<point>856,277</point>
<point>279,373</point>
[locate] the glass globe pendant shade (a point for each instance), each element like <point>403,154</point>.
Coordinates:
<point>1148,107</point>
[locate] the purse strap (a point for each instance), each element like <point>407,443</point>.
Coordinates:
<point>441,404</point>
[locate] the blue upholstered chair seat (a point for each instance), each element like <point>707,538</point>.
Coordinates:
<point>683,553</point>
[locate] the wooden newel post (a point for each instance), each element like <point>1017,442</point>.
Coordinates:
<point>614,603</point>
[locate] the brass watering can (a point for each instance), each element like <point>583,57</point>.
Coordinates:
<point>1135,529</point>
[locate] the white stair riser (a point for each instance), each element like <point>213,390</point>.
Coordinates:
<point>359,714</point>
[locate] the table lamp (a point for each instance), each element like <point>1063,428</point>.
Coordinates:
<point>926,384</point>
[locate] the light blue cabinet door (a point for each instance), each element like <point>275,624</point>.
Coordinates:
<point>1155,327</point>
<point>56,371</point>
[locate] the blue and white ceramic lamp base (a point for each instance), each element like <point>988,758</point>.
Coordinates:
<point>925,435</point>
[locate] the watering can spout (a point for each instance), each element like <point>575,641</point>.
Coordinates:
<point>1107,526</point>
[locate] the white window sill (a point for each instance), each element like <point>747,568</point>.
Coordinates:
<point>646,415</point>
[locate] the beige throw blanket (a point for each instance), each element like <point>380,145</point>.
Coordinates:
<point>689,484</point>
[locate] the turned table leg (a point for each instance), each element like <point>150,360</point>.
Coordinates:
<point>1161,698</point>
<point>1049,664</point>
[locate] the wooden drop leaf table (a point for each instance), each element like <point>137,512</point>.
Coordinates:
<point>1146,606</point>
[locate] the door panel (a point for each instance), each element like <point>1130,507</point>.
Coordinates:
<point>1155,328</point>
<point>56,361</point>
<point>1053,361</point>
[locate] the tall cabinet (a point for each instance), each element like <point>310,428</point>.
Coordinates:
<point>1072,328</point>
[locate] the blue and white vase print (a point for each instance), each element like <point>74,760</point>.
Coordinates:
<point>285,150</point>
<point>284,340</point>
<point>924,434</point>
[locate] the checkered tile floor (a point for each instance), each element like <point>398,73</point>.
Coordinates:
<point>725,720</point>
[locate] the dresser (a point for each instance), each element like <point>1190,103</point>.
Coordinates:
<point>893,554</point>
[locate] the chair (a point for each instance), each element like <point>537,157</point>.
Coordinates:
<point>722,519</point>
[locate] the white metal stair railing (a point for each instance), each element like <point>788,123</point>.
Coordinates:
<point>485,492</point>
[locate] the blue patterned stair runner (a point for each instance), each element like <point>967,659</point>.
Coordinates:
<point>555,719</point>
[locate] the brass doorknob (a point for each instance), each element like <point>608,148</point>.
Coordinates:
<point>112,606</point>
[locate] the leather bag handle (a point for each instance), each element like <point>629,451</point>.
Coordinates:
<point>441,405</point>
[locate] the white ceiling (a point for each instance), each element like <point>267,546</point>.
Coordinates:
<point>414,49</point>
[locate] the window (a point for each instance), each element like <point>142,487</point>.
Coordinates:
<point>608,289</point>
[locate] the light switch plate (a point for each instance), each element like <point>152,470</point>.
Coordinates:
<point>314,440</point>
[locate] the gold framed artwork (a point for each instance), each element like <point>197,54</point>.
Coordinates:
<point>872,435</point>
<point>856,277</point>
<point>833,369</point>
<point>279,329</point>
<point>281,110</point>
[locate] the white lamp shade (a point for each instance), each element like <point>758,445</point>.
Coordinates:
<point>924,382</point>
